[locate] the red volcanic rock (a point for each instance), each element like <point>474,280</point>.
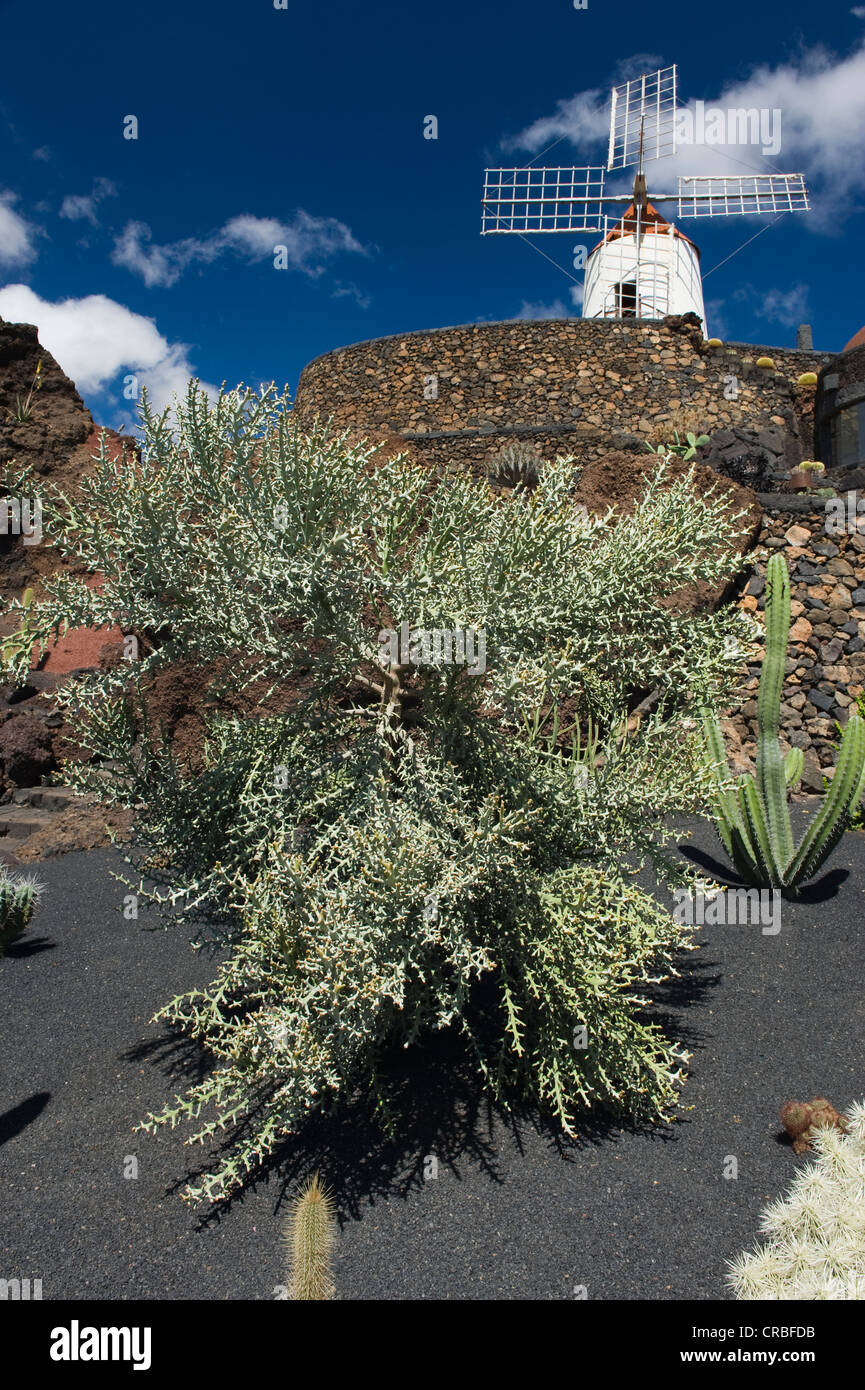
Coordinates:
<point>82,648</point>
<point>25,750</point>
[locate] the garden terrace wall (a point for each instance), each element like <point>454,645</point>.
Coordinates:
<point>575,386</point>
<point>825,668</point>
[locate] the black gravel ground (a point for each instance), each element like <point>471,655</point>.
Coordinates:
<point>512,1213</point>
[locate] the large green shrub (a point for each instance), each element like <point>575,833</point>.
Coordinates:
<point>400,828</point>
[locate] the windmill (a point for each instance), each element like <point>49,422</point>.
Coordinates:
<point>644,267</point>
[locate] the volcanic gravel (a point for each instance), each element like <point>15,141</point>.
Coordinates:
<point>463,1201</point>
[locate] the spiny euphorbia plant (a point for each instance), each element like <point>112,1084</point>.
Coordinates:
<point>752,817</point>
<point>393,825</point>
<point>815,1247</point>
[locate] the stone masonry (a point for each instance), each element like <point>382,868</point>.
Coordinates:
<point>825,670</point>
<point>571,386</point>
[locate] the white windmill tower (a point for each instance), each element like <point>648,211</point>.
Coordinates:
<point>644,267</point>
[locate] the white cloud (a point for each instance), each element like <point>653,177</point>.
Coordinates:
<point>858,11</point>
<point>822,103</point>
<point>716,317</point>
<point>584,120</point>
<point>157,265</point>
<point>787,307</point>
<point>308,241</point>
<point>97,342</point>
<point>17,236</point>
<point>78,205</point>
<point>556,310</point>
<point>351,290</point>
<point>43,153</point>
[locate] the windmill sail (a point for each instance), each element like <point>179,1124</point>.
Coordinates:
<point>740,196</point>
<point>642,119</point>
<point>543,200</point>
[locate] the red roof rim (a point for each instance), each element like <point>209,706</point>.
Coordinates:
<point>652,222</point>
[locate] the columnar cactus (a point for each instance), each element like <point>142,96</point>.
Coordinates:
<point>753,820</point>
<point>18,898</point>
<point>309,1236</point>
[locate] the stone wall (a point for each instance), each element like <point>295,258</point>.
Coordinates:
<point>575,386</point>
<point>825,670</point>
<point>842,387</point>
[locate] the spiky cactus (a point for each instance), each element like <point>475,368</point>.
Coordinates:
<point>516,464</point>
<point>753,820</point>
<point>18,898</point>
<point>309,1236</point>
<point>816,1234</point>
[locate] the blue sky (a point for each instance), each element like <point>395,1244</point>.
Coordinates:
<point>304,127</point>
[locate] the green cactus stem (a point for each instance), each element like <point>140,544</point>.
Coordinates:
<point>752,817</point>
<point>309,1236</point>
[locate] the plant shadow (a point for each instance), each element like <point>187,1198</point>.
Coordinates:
<point>821,890</point>
<point>13,1121</point>
<point>440,1116</point>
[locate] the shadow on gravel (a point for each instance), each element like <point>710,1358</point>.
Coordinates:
<point>820,891</point>
<point>30,946</point>
<point>436,1107</point>
<point>20,1116</point>
<point>177,1056</point>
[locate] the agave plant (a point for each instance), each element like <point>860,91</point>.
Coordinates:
<point>18,645</point>
<point>752,818</point>
<point>516,464</point>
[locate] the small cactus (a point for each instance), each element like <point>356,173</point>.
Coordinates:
<point>18,898</point>
<point>765,361</point>
<point>807,379</point>
<point>800,1120</point>
<point>714,342</point>
<point>309,1237</point>
<point>815,1235</point>
<point>516,465</point>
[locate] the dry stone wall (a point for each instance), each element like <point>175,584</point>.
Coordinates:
<point>575,386</point>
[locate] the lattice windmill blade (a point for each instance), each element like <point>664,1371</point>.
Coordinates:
<point>532,200</point>
<point>643,119</point>
<point>738,195</point>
